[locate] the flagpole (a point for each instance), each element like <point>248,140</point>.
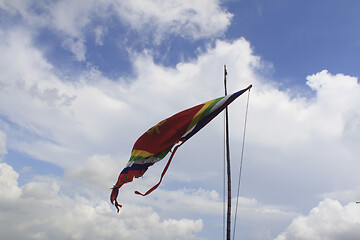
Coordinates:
<point>228,219</point>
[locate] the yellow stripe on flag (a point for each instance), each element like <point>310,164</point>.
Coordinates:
<point>199,114</point>
<point>141,153</point>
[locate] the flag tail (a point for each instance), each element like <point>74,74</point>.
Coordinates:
<point>162,174</point>
<point>113,196</point>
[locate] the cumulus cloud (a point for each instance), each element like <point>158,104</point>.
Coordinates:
<point>8,182</point>
<point>297,148</point>
<point>61,118</point>
<point>338,103</point>
<point>42,209</point>
<point>58,215</point>
<point>38,210</point>
<point>100,171</point>
<point>94,116</point>
<point>344,195</point>
<point>305,141</point>
<point>210,203</point>
<point>329,220</point>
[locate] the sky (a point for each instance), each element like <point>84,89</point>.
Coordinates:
<point>82,80</point>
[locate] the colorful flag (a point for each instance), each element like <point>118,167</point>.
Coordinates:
<point>156,142</point>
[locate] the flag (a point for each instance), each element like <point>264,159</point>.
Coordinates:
<point>158,141</point>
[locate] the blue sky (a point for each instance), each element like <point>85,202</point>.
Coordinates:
<point>315,35</point>
<point>82,80</point>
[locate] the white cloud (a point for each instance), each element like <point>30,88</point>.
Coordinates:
<point>210,203</point>
<point>17,5</point>
<point>46,113</point>
<point>329,220</point>
<point>8,182</point>
<point>98,171</point>
<point>100,33</point>
<point>3,149</point>
<point>296,149</point>
<point>337,97</point>
<point>77,47</point>
<point>344,195</point>
<point>71,17</point>
<point>25,9</point>
<point>67,18</point>
<point>189,19</point>
<point>337,106</point>
<point>154,19</point>
<point>38,210</point>
<point>61,119</point>
<point>94,116</point>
